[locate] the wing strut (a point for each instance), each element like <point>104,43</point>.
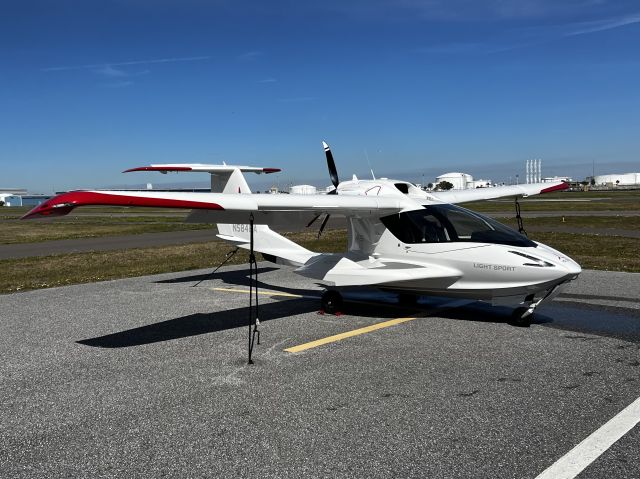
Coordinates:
<point>227,257</point>
<point>519,219</point>
<point>254,335</point>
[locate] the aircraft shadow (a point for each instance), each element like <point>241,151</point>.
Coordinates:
<point>239,278</point>
<point>485,313</point>
<point>199,323</point>
<point>204,323</point>
<point>233,275</point>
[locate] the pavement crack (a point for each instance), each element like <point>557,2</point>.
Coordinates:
<point>577,336</point>
<point>391,395</point>
<point>510,380</point>
<point>335,407</point>
<point>469,394</point>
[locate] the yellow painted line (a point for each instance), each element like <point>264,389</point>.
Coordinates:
<point>267,293</point>
<point>348,334</point>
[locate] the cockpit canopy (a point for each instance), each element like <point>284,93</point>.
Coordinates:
<point>450,223</point>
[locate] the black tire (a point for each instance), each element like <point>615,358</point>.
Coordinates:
<point>331,302</point>
<point>519,319</point>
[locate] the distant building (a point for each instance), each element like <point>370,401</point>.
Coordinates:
<point>303,190</point>
<point>617,179</point>
<point>553,179</point>
<point>34,200</point>
<point>13,191</point>
<point>8,199</point>
<point>480,184</point>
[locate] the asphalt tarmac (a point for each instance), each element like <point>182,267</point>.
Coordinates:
<point>148,377</point>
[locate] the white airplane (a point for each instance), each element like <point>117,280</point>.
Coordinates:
<point>400,238</point>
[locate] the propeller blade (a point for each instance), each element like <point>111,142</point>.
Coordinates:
<point>324,223</point>
<point>333,172</point>
<point>314,219</point>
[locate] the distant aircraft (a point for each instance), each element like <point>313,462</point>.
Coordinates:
<point>400,238</point>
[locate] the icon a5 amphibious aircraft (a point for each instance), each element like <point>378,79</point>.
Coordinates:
<point>400,238</point>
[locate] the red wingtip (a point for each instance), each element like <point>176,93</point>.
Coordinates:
<point>62,204</point>
<point>560,187</point>
<point>271,170</point>
<point>158,168</point>
<point>56,206</point>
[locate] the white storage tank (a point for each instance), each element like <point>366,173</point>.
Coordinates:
<point>618,179</point>
<point>460,181</point>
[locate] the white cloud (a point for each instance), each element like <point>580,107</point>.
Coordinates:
<point>111,65</point>
<point>601,25</point>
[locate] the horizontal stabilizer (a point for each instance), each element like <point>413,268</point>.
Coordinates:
<point>203,168</point>
<point>271,243</point>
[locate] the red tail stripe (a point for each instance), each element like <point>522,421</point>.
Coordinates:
<point>158,168</point>
<point>562,186</point>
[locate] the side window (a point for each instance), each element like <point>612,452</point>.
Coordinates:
<point>416,227</point>
<point>465,224</point>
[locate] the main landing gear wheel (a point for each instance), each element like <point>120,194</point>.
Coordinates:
<point>521,317</point>
<point>331,302</point>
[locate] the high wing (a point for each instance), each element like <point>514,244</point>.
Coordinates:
<point>228,208</point>
<point>477,194</point>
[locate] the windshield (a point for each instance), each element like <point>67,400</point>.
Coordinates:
<point>450,223</point>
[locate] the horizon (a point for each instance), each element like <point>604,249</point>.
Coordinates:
<point>283,180</point>
<point>404,88</point>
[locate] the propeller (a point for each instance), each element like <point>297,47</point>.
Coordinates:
<point>333,174</point>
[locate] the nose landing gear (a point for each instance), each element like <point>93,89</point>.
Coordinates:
<point>522,316</point>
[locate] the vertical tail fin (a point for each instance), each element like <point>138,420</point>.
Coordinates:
<point>265,240</point>
<point>231,183</point>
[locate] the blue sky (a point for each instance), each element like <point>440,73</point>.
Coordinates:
<point>420,87</point>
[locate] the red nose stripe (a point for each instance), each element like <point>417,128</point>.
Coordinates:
<point>64,203</point>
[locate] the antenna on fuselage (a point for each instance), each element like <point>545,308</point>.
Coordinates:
<point>369,163</point>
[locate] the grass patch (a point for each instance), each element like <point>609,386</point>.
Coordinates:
<point>13,231</point>
<point>37,231</point>
<point>595,252</point>
<point>566,202</point>
<point>596,222</point>
<point>59,270</point>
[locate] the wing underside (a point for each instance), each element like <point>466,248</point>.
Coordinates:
<point>227,208</point>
